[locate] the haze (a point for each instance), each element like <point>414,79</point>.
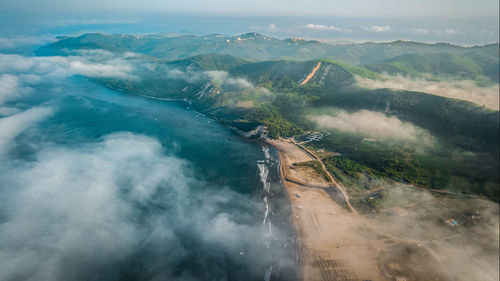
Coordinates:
<point>460,22</point>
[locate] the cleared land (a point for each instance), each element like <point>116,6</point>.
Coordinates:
<point>336,243</point>
<point>311,75</point>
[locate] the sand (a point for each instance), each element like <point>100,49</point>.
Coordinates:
<point>335,243</point>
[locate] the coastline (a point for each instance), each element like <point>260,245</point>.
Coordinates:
<point>330,240</point>
<point>334,241</point>
<point>278,214</point>
<point>328,245</point>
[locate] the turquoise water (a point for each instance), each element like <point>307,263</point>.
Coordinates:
<point>111,186</point>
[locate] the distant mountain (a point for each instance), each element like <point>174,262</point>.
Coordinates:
<point>478,63</point>
<point>251,46</point>
<point>213,61</point>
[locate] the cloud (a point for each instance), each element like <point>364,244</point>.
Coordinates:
<point>323,27</point>
<point>90,21</point>
<point>98,69</point>
<point>218,78</point>
<point>8,87</point>
<point>451,31</point>
<point>112,206</point>
<point>73,217</point>
<point>60,67</point>
<point>13,125</point>
<point>378,28</point>
<point>468,251</point>
<point>223,78</point>
<point>17,41</point>
<point>76,213</point>
<point>373,125</point>
<point>420,31</point>
<point>465,89</point>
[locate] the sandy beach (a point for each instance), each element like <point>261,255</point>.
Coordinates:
<point>335,243</point>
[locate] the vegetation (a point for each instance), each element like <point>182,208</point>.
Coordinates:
<point>254,81</point>
<point>364,164</point>
<point>479,65</point>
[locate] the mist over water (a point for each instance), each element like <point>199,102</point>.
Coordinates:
<point>100,185</point>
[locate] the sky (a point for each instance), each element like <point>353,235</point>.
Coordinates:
<point>462,22</point>
<point>346,8</point>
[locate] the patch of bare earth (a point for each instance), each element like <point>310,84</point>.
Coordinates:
<point>335,243</point>
<point>311,75</point>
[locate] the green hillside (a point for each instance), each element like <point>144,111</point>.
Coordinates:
<point>479,65</point>
<point>258,80</point>
<point>214,61</point>
<point>252,46</point>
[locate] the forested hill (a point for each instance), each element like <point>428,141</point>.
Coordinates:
<point>430,140</point>
<point>250,46</point>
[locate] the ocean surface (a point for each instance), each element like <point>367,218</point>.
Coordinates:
<point>101,185</point>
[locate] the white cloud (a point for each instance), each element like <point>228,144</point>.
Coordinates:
<point>323,27</point>
<point>451,31</point>
<point>8,87</point>
<point>59,67</point>
<point>13,125</point>
<point>74,211</point>
<point>223,78</point>
<point>420,31</point>
<point>99,70</point>
<point>90,21</point>
<point>216,77</point>
<point>72,206</point>
<point>373,125</point>
<point>13,42</point>
<point>378,28</point>
<point>465,89</point>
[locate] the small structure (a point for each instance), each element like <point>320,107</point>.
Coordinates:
<point>452,222</point>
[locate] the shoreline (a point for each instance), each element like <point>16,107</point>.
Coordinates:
<point>334,241</point>
<point>331,240</point>
<point>325,248</point>
<point>280,215</point>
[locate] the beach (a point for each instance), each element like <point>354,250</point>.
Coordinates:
<point>334,242</point>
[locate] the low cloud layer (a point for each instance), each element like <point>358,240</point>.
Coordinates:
<point>7,43</point>
<point>113,207</point>
<point>323,27</point>
<point>76,211</point>
<point>378,28</point>
<point>195,75</point>
<point>223,78</point>
<point>8,87</point>
<point>61,67</point>
<point>372,125</point>
<point>465,251</point>
<point>14,124</point>
<point>464,90</point>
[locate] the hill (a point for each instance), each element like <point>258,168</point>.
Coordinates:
<point>480,64</point>
<point>252,46</point>
<point>249,80</point>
